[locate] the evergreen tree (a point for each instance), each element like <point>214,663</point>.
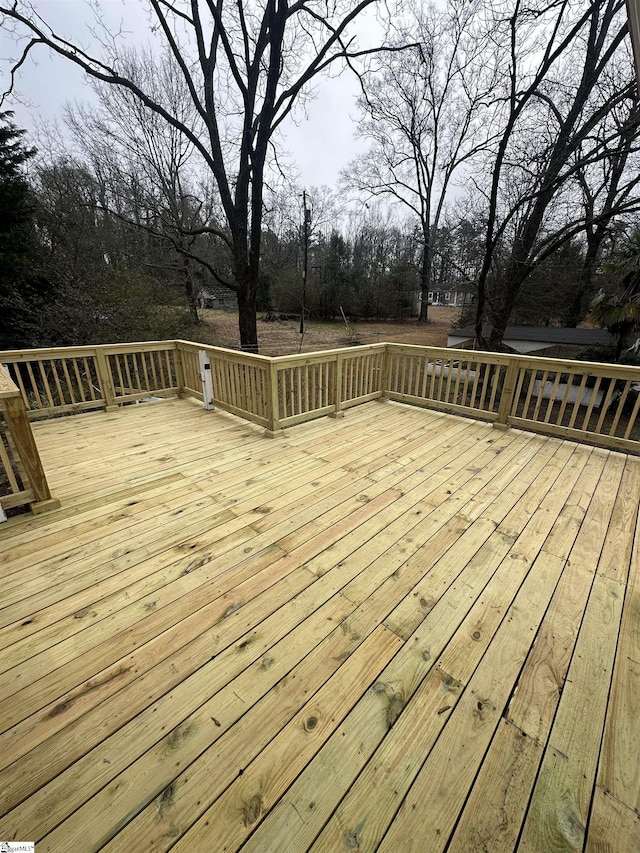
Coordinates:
<point>22,289</point>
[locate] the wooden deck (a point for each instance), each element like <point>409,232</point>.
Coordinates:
<point>400,631</point>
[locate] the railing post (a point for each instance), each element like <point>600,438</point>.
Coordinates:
<point>337,391</point>
<point>106,381</point>
<point>179,367</point>
<point>273,402</point>
<point>384,375</point>
<point>506,396</point>
<point>22,435</point>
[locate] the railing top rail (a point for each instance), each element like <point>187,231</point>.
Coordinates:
<point>605,368</point>
<point>8,387</point>
<point>43,353</point>
<point>328,353</point>
<point>451,352</point>
<point>533,361</point>
<point>224,351</point>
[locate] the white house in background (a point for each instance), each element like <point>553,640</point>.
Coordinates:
<point>526,339</point>
<point>452,297</point>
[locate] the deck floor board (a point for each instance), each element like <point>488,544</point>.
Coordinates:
<point>399,630</point>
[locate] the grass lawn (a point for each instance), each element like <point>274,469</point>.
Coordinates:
<point>282,337</point>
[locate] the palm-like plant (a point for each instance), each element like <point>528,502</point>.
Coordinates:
<point>619,310</point>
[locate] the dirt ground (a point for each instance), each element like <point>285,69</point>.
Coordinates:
<point>282,337</point>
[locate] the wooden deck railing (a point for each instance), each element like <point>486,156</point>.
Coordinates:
<point>593,403</point>
<point>20,466</point>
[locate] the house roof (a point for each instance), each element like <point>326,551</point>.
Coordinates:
<point>217,291</point>
<point>544,334</point>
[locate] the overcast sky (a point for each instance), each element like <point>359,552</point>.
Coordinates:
<point>320,143</point>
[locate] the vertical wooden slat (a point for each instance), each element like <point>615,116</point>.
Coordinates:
<point>456,387</point>
<point>221,370</point>
<point>145,371</point>
<point>450,370</point>
<point>152,365</point>
<point>249,374</point>
<point>233,383</point>
<point>34,386</point>
<point>485,383</point>
<point>527,402</point>
<point>425,376</point>
<point>543,382</point>
<point>225,370</point>
<point>8,467</point>
<point>565,398</point>
<point>464,376</point>
<point>632,418</point>
<point>78,376</point>
<point>403,374</point>
<point>89,376</point>
<point>117,360</point>
<point>620,407</point>
<point>56,382</point>
<point>517,392</point>
<point>576,404</point>
<point>605,405</point>
<point>308,406</point>
<point>163,382</point>
<point>552,398</point>
<point>18,379</point>
<point>301,407</point>
<point>474,390</point>
<point>592,402</point>
<point>283,392</point>
<point>127,371</point>
<point>496,381</point>
<point>72,396</point>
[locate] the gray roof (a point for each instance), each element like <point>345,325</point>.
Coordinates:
<point>544,334</point>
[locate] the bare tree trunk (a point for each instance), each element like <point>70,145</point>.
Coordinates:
<point>190,290</point>
<point>247,322</point>
<point>425,282</point>
<point>586,276</point>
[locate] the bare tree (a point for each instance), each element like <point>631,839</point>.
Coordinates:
<point>609,190</point>
<point>427,114</point>
<point>245,65</point>
<point>556,98</point>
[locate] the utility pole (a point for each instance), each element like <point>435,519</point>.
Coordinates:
<point>305,256</point>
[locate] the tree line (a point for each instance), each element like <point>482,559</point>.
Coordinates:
<point>502,138</point>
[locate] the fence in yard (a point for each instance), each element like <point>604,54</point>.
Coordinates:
<point>588,402</point>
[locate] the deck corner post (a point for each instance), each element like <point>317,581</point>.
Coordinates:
<point>22,435</point>
<point>105,381</point>
<point>179,368</point>
<point>273,401</point>
<point>506,396</point>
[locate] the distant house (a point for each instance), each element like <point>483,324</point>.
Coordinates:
<point>543,339</point>
<point>217,296</point>
<point>452,297</point>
